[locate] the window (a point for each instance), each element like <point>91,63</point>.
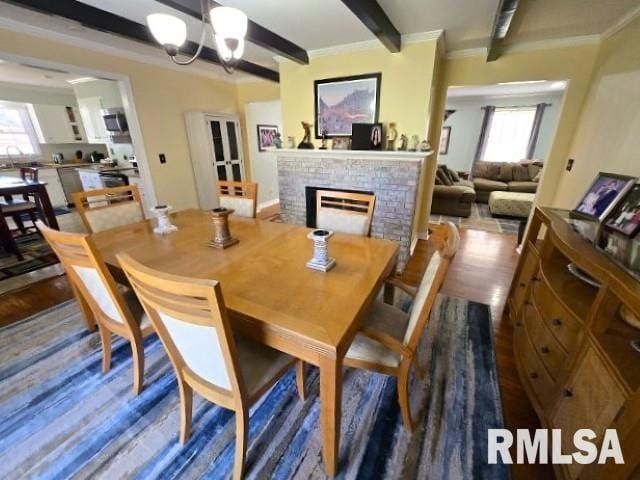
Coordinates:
<point>16,131</point>
<point>509,134</point>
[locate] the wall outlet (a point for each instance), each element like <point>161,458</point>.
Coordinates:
<point>162,157</point>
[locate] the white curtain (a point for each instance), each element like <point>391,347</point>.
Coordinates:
<point>509,134</point>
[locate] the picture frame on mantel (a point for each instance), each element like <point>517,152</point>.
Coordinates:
<point>342,101</point>
<point>266,137</point>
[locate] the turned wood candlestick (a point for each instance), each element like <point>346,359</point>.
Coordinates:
<point>221,236</point>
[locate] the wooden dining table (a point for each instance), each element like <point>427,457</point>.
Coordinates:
<point>270,294</point>
<point>10,186</point>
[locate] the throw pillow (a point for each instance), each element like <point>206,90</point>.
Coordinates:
<point>493,171</point>
<point>534,169</point>
<point>480,170</point>
<point>438,181</point>
<point>506,173</point>
<point>454,175</point>
<point>443,176</point>
<point>520,173</point>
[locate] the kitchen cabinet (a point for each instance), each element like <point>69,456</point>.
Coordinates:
<point>57,124</point>
<point>91,113</point>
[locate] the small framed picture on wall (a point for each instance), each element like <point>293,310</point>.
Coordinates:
<point>445,136</point>
<point>266,137</point>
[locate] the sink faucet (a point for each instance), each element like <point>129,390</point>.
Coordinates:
<point>9,154</point>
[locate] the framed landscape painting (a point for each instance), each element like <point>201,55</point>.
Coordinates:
<point>341,102</point>
<point>266,136</point>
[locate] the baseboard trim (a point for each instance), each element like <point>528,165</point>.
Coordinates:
<point>270,203</point>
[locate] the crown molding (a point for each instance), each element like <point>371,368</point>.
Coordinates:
<point>25,28</point>
<point>625,20</point>
<point>467,52</point>
<point>553,43</point>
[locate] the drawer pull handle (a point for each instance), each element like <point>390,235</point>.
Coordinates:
<point>557,322</point>
<point>544,349</point>
<point>533,375</point>
<point>567,393</point>
<point>518,324</point>
<point>527,302</point>
<point>522,284</point>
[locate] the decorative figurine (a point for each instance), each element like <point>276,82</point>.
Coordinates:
<point>392,136</point>
<point>291,142</point>
<point>415,141</point>
<point>221,236</point>
<point>277,140</point>
<point>325,132</point>
<point>164,226</point>
<point>321,260</point>
<point>403,143</point>
<point>306,141</point>
<point>425,146</point>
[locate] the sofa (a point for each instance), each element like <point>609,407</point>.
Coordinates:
<point>454,194</point>
<point>520,177</point>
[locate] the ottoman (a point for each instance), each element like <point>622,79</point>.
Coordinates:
<point>511,204</point>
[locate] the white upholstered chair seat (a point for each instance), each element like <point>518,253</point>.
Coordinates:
<point>242,207</point>
<point>386,319</point>
<point>342,221</point>
<point>259,364</point>
<point>113,216</point>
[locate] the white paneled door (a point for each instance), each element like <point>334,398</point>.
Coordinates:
<point>226,148</point>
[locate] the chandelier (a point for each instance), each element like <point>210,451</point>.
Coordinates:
<point>228,27</point>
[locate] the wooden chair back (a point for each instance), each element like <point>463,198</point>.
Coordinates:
<point>447,238</point>
<point>191,319</point>
<point>89,275</point>
<point>29,174</point>
<point>344,212</point>
<point>108,208</point>
<point>241,196</point>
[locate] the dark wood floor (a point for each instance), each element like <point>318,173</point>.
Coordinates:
<point>481,271</point>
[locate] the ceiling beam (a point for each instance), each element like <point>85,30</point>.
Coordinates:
<point>256,34</point>
<point>376,20</point>
<point>97,19</point>
<point>501,23</point>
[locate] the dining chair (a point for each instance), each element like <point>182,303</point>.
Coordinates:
<point>107,208</point>
<point>389,338</point>
<point>241,196</point>
<point>192,321</point>
<point>16,208</point>
<point>116,312</point>
<point>344,212</point>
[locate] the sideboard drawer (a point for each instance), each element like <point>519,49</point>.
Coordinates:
<point>564,326</point>
<point>537,376</point>
<point>529,268</point>
<point>546,346</point>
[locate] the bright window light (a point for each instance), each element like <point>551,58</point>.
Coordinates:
<point>16,131</point>
<point>509,134</point>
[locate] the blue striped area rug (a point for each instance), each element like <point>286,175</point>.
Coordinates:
<point>60,417</point>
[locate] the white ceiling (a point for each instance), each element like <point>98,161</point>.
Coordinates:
<point>321,24</point>
<point>538,20</point>
<point>24,75</point>
<point>507,90</point>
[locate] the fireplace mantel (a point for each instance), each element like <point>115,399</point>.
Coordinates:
<point>394,177</point>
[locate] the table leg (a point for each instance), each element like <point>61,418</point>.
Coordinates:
<point>47,209</point>
<point>331,411</point>
<point>6,238</point>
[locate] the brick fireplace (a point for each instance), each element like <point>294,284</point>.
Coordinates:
<point>393,177</point>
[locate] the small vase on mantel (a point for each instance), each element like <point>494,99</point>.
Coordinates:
<point>164,226</point>
<point>321,260</point>
<point>221,235</point>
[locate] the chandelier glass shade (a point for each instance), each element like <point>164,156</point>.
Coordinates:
<point>228,29</point>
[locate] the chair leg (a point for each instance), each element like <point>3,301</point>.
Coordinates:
<point>186,408</point>
<point>403,399</point>
<point>17,219</point>
<point>301,380</point>
<point>241,443</point>
<point>105,336</point>
<point>137,351</point>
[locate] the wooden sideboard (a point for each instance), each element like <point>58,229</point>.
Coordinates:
<point>571,346</point>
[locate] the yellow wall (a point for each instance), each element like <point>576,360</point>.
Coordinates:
<point>405,86</point>
<point>575,64</point>
<point>608,135</point>
<point>162,96</point>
